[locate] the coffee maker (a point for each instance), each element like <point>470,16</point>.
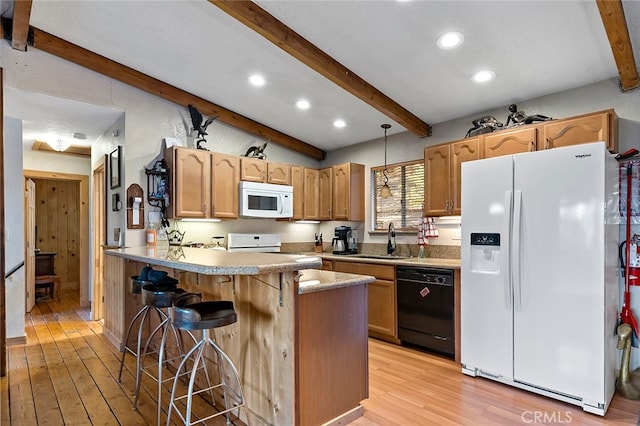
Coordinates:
<point>344,242</point>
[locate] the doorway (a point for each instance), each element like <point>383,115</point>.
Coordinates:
<point>62,227</point>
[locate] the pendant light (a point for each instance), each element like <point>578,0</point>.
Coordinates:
<point>385,191</point>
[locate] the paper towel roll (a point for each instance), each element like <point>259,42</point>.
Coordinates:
<point>136,210</point>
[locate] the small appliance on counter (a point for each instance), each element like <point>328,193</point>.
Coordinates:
<point>344,242</point>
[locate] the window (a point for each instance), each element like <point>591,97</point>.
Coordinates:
<point>404,209</point>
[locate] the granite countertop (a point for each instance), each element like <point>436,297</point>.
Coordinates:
<point>217,262</point>
<point>312,280</point>
<point>435,262</point>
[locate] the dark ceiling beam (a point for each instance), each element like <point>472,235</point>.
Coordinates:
<point>20,30</point>
<point>100,64</point>
<point>615,25</point>
<point>297,46</point>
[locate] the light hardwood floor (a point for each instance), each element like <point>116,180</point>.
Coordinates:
<point>66,374</point>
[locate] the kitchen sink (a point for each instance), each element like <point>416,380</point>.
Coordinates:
<point>378,256</point>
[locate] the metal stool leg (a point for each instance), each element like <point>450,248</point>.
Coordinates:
<point>143,311</point>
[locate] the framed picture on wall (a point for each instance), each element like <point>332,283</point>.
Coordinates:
<point>115,168</point>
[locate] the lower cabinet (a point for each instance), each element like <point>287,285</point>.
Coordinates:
<point>382,305</point>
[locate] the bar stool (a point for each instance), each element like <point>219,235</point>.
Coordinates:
<point>206,316</point>
<point>160,297</point>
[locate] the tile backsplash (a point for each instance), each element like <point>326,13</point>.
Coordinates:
<point>431,250</point>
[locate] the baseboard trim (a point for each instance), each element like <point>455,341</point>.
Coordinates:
<point>12,341</point>
<point>347,417</point>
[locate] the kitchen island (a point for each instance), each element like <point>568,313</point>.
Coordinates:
<point>300,342</point>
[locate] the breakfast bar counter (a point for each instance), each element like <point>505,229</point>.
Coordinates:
<point>300,342</point>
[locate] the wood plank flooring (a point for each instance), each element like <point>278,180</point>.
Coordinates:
<point>66,374</point>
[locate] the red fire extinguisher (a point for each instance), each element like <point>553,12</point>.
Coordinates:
<point>634,259</point>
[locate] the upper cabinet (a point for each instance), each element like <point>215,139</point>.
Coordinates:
<point>256,170</point>
<point>599,126</point>
<point>253,169</point>
<point>509,142</point>
<point>297,182</point>
<point>325,188</point>
<point>225,175</point>
<point>442,169</point>
<point>279,173</point>
<point>190,176</point>
<point>311,194</point>
<point>348,192</point>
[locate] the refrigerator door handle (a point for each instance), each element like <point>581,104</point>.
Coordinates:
<point>506,248</point>
<point>516,255</point>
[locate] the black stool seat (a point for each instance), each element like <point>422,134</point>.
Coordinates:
<point>160,296</point>
<point>204,315</point>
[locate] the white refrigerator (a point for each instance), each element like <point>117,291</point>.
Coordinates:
<point>539,284</point>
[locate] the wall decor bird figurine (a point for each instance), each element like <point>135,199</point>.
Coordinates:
<point>257,151</point>
<point>199,126</point>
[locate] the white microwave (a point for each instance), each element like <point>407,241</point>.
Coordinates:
<point>265,200</point>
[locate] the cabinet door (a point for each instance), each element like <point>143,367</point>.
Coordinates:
<point>311,194</point>
<point>279,173</point>
<point>325,184</point>
<point>462,151</point>
<point>437,164</point>
<point>297,182</point>
<point>225,175</point>
<point>192,176</point>
<point>348,191</point>
<point>506,143</point>
<point>584,129</point>
<point>253,169</point>
<point>382,309</point>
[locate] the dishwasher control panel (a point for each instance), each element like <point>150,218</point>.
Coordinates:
<point>425,275</point>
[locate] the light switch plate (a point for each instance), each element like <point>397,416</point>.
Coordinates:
<point>457,234</point>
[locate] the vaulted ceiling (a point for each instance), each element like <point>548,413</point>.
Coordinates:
<point>365,62</point>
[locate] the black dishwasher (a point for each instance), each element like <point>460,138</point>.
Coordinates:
<point>425,308</point>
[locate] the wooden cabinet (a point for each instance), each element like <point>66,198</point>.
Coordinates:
<point>253,169</point>
<point>382,304</point>
<point>311,194</point>
<point>225,175</point>
<point>256,170</point>
<point>509,142</point>
<point>279,173</point>
<point>297,182</point>
<point>325,187</point>
<point>348,191</point>
<point>190,182</point>
<point>599,126</point>
<point>442,169</point>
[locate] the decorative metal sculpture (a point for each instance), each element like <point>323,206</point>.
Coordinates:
<point>624,385</point>
<point>481,125</point>
<point>257,151</point>
<point>518,117</point>
<point>199,126</point>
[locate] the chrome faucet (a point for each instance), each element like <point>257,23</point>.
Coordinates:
<point>391,239</point>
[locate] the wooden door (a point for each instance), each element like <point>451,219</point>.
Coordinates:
<point>462,151</point>
<point>192,180</point>
<point>340,192</point>
<point>30,244</point>
<point>311,194</point>
<point>99,239</point>
<point>507,143</point>
<point>225,175</point>
<point>584,129</point>
<point>437,194</point>
<point>279,173</point>
<point>253,169</point>
<point>297,182</point>
<point>325,187</point>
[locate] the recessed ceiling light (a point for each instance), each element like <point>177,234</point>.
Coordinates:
<point>483,76</point>
<point>339,123</point>
<point>450,40</point>
<point>257,80</point>
<point>303,104</point>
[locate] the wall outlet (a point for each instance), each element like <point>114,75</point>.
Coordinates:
<point>457,234</point>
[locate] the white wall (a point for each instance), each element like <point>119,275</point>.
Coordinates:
<point>14,226</point>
